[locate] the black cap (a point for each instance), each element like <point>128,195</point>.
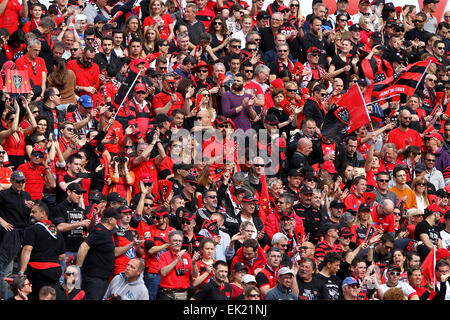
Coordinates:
<point>354,27</point>
<point>76,187</point>
<point>306,190</point>
<point>327,226</point>
<point>181,165</point>
<point>389,6</point>
<point>111,212</point>
<point>294,172</point>
<point>114,197</point>
<point>248,198</point>
<point>394,267</point>
<point>107,26</point>
<point>262,15</point>
<point>336,204</point>
<point>364,206</point>
<point>239,266</point>
<point>190,178</point>
<point>447,215</point>
<point>419,167</point>
<point>160,118</point>
<point>123,209</point>
<point>97,196</point>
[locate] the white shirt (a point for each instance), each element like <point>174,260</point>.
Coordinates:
<point>445,236</point>
<point>406,288</point>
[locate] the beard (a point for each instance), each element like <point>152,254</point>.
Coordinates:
<point>237,87</point>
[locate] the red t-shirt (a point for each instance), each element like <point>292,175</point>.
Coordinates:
<point>35,179</point>
<point>34,69</point>
<point>164,30</point>
<point>10,17</point>
<point>162,98</point>
<point>387,222</point>
<point>85,77</point>
<point>402,139</point>
<point>172,280</point>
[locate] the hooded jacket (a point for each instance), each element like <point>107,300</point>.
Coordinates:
<point>135,290</point>
<point>258,263</point>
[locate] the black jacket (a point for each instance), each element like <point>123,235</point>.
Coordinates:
<point>45,111</point>
<point>100,59</point>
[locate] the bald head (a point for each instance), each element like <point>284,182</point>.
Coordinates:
<point>304,146</point>
<point>387,206</point>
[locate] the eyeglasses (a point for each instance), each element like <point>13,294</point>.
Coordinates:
<point>249,231</point>
<point>38,155</point>
<point>253,295</point>
<point>394,273</point>
<point>304,248</point>
<point>343,20</point>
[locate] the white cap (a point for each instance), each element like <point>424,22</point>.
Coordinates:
<point>248,278</point>
<point>284,270</point>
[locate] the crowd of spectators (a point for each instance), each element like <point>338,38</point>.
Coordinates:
<point>174,151</point>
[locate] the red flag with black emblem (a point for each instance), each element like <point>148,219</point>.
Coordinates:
<point>17,81</point>
<point>354,102</point>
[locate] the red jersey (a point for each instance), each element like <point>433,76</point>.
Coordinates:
<point>164,29</point>
<point>35,179</point>
<point>162,98</point>
<point>34,68</point>
<point>352,202</point>
<point>115,131</point>
<point>86,77</point>
<point>387,222</point>
<point>401,139</point>
<point>10,17</point>
<point>122,238</point>
<point>154,237</point>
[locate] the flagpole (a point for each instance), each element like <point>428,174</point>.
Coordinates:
<point>395,95</point>
<point>128,92</point>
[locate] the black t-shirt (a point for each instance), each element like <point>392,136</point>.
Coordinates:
<point>99,261</point>
<point>333,285</point>
<point>47,242</point>
<point>66,212</point>
<point>313,290</point>
<point>212,291</point>
<point>431,231</point>
<point>13,209</point>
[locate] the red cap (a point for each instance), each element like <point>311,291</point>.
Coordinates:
<point>434,208</point>
<point>146,178</point>
<point>161,211</point>
<point>442,253</point>
<point>435,135</point>
<point>329,166</point>
<point>281,8</point>
<point>277,83</point>
<point>38,148</point>
<point>140,87</point>
<point>313,49</point>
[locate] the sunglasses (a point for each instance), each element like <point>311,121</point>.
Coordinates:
<point>212,197</point>
<point>140,92</point>
<point>253,295</point>
<point>259,165</point>
<point>285,11</point>
<point>218,23</point>
<point>421,184</point>
<point>20,181</point>
<point>2,153</point>
<point>431,160</point>
<point>157,218</point>
<point>346,237</point>
<point>38,154</point>
<point>282,50</point>
<point>223,126</point>
<point>186,222</point>
<point>203,71</point>
<point>148,204</point>
<point>354,286</point>
<point>235,46</point>
<point>291,90</point>
<point>294,5</point>
<point>418,21</point>
<point>394,273</point>
<point>383,180</point>
<point>70,273</point>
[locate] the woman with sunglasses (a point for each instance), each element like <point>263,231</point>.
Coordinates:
<point>163,21</point>
<point>296,13</point>
<point>21,288</point>
<point>220,38</point>
<point>398,258</point>
<point>13,137</point>
<point>419,186</point>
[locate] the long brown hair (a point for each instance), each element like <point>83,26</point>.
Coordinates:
<point>59,74</point>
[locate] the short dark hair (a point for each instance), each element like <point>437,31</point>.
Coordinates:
<point>251,243</point>
<point>331,257</point>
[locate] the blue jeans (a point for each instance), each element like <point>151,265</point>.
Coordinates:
<point>152,281</point>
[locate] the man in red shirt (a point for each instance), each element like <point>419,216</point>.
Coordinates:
<point>34,65</point>
<point>38,174</point>
<point>356,198</point>
<point>404,136</point>
<point>87,74</point>
<point>382,215</point>
<point>177,269</point>
<point>167,100</point>
<point>156,238</point>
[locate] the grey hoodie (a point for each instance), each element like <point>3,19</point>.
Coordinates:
<point>119,286</point>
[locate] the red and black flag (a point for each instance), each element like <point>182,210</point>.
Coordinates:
<point>403,82</point>
<point>335,123</point>
<point>353,101</point>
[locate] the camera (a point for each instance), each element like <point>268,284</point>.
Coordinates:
<point>179,272</point>
<point>120,159</point>
<point>406,43</point>
<point>83,175</point>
